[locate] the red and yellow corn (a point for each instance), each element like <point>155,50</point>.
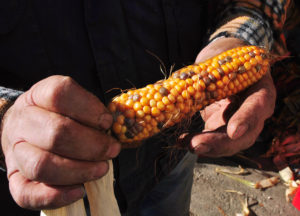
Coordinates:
<point>141,113</point>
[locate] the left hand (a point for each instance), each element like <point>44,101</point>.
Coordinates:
<point>229,131</point>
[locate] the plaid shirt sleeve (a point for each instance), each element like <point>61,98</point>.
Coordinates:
<point>7,98</point>
<point>257,22</point>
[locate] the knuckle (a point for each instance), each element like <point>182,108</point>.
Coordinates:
<point>59,129</point>
<point>55,93</point>
<point>36,167</point>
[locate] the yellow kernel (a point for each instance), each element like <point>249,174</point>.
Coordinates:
<point>153,123</point>
<point>225,69</point>
<point>225,80</point>
<point>124,96</point>
<point>247,65</point>
<point>120,119</point>
<point>172,98</point>
<point>152,103</point>
<point>124,129</point>
<point>216,74</point>
<point>185,94</point>
<point>147,109</point>
<point>220,84</point>
<point>170,108</point>
<point>253,61</point>
<point>129,113</point>
<point>209,69</point>
<point>129,103</point>
<point>215,64</point>
<point>160,118</point>
<point>180,99</point>
<point>140,114</point>
<point>202,84</point>
<point>149,96</point>
<point>137,106</point>
<point>242,59</point>
<point>165,100</point>
<point>148,118</point>
<point>174,92</point>
<point>144,101</point>
<point>112,107</point>
<point>258,59</point>
<point>157,96</point>
<point>211,87</point>
<point>155,111</point>
<point>236,82</point>
<point>182,83</point>
<point>160,105</point>
<point>178,88</point>
<point>231,86</point>
<point>247,57</point>
<point>189,81</point>
<point>117,128</point>
<point>234,65</point>
<point>180,106</point>
<point>191,90</point>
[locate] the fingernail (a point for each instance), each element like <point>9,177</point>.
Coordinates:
<point>241,129</point>
<point>106,120</point>
<point>202,149</point>
<point>74,195</point>
<point>114,150</point>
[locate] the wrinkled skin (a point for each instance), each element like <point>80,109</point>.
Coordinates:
<point>54,140</point>
<point>233,124</point>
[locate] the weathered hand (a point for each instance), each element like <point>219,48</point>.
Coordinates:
<point>54,140</point>
<point>233,124</point>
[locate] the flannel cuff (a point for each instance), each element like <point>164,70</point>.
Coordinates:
<point>248,29</point>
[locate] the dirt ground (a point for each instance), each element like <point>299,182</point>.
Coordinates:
<point>210,198</point>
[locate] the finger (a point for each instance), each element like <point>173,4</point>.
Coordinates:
<point>254,110</point>
<point>213,115</point>
<point>34,195</point>
<point>218,144</point>
<point>218,46</point>
<point>42,166</point>
<point>64,136</point>
<point>63,95</point>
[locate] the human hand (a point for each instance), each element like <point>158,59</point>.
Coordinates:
<point>233,124</point>
<point>54,140</point>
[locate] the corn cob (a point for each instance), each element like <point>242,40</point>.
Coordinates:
<point>141,113</point>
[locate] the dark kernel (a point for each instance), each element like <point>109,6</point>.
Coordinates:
<point>184,76</point>
<point>204,73</point>
<point>134,130</point>
<point>139,127</point>
<point>228,59</point>
<point>129,122</point>
<point>258,67</point>
<point>214,94</point>
<point>207,95</point>
<point>241,69</point>
<point>129,134</point>
<point>160,125</point>
<point>232,76</point>
<point>221,72</point>
<point>191,73</point>
<point>136,97</point>
<point>200,76</point>
<point>206,80</point>
<point>212,78</point>
<point>163,91</point>
<point>222,61</point>
<point>263,55</point>
<point>252,54</point>
<point>175,75</point>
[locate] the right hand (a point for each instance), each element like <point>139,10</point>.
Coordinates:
<point>54,140</point>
